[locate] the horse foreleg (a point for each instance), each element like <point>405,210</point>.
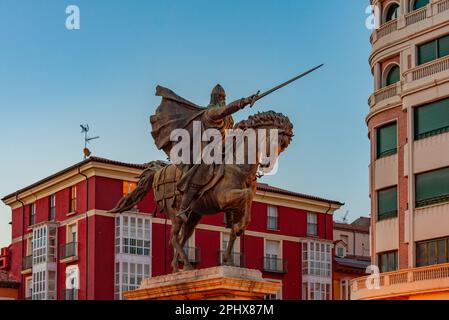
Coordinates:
<point>177,248</point>
<point>246,219</point>
<point>188,229</point>
<point>227,258</point>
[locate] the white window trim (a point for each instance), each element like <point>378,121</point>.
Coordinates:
<point>276,215</point>
<point>280,247</point>
<point>67,233</point>
<point>279,295</point>
<point>236,248</point>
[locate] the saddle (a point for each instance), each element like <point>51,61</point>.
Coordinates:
<point>164,184</point>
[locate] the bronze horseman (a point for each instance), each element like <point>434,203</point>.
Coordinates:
<point>187,191</point>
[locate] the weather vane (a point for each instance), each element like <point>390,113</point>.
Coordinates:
<point>85,130</point>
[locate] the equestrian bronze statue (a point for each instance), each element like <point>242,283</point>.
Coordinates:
<point>189,189</point>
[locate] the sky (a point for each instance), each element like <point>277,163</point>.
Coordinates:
<point>53,79</point>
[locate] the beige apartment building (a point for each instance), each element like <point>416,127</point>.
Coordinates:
<point>352,254</point>
<point>408,127</point>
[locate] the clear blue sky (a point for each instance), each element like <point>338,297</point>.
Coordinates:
<point>104,74</point>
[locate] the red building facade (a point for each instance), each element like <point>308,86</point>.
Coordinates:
<point>65,244</point>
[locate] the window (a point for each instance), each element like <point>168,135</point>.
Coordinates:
<point>432,187</point>
<point>387,144</point>
<point>28,288</point>
<point>272,218</point>
<point>52,212</point>
<point>392,13</point>
<point>271,261</point>
<point>129,276</point>
<point>393,75</point>
<point>71,233</point>
<point>72,199</point>
<point>432,252</point>
<point>433,50</point>
<point>388,261</point>
<point>278,294</point>
<point>418,4</point>
<point>132,235</point>
<point>312,224</point>
<point>316,270</point>
<point>431,119</point>
<point>340,252</point>
<point>387,203</point>
<point>129,187</point>
<point>238,258</point>
<point>316,259</point>
<point>345,288</point>
<point>44,251</point>
<point>32,214</point>
<point>314,290</point>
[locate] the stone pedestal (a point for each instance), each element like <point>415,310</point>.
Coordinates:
<point>217,283</point>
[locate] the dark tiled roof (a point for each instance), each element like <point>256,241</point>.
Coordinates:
<point>351,227</point>
<point>353,262</point>
<point>260,186</point>
<point>6,281</point>
<point>79,164</point>
<point>267,187</point>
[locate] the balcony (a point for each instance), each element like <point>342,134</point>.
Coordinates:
<point>387,28</point>
<point>69,252</point>
<point>274,265</point>
<point>69,294</point>
<point>27,264</point>
<point>386,93</point>
<point>238,258</point>
<point>402,284</point>
<point>415,16</point>
<point>193,253</point>
<point>427,69</point>
<point>405,25</point>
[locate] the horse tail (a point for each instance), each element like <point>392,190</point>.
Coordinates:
<point>143,187</point>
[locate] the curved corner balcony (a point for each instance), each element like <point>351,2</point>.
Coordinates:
<point>430,282</point>
<point>404,26</point>
<point>386,95</point>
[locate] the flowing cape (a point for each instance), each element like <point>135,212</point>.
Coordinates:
<point>174,112</point>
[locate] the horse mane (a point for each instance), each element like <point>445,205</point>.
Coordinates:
<point>267,119</point>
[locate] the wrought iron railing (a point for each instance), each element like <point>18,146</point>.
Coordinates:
<point>237,258</point>
<point>271,264</point>
<point>69,250</point>
<point>193,253</point>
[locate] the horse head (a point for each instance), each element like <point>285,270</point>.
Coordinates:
<point>275,133</point>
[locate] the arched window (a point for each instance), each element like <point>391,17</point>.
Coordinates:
<point>393,75</point>
<point>392,13</point>
<point>418,4</point>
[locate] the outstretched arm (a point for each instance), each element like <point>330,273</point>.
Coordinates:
<point>220,113</point>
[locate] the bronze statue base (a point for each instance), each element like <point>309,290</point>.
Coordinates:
<point>216,283</point>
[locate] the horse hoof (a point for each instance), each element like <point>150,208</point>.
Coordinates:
<point>188,268</point>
